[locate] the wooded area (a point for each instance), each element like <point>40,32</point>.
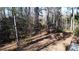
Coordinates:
<point>39,28</point>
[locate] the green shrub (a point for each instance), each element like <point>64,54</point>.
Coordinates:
<point>60,30</point>
<point>76,32</point>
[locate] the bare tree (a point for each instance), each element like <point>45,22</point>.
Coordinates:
<point>36,10</point>
<point>14,16</point>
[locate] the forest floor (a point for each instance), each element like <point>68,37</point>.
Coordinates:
<point>43,44</point>
<point>48,44</point>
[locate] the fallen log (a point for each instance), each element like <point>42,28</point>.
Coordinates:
<point>37,36</point>
<point>9,47</point>
<point>39,45</point>
<point>27,43</point>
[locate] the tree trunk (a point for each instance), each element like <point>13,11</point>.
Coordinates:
<point>17,40</point>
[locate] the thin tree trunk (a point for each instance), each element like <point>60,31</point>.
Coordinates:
<point>54,18</point>
<point>17,40</point>
<point>73,18</point>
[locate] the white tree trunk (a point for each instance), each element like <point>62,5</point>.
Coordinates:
<point>16,31</point>
<point>73,21</point>
<point>54,17</point>
<point>71,24</point>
